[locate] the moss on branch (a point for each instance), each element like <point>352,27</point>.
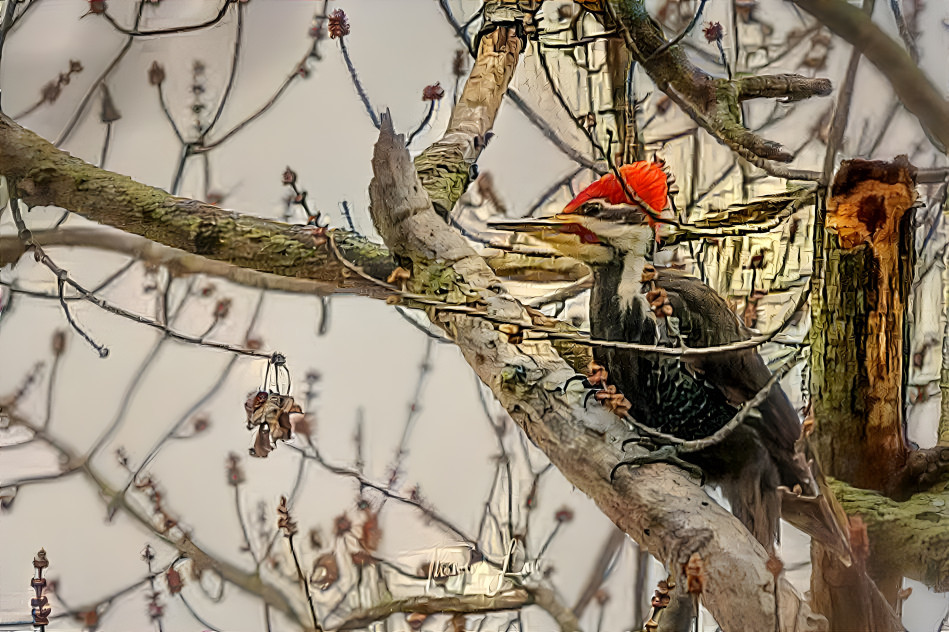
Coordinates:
<point>41,174</point>
<point>445,167</point>
<point>910,538</point>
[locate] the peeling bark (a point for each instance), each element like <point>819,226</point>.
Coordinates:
<point>857,334</point>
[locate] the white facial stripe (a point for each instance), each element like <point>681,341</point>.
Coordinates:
<point>633,238</point>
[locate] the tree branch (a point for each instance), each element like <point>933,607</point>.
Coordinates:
<point>40,174</point>
<point>907,538</point>
<point>910,83</point>
<point>178,262</point>
<point>455,604</point>
<point>713,103</point>
<point>445,167</point>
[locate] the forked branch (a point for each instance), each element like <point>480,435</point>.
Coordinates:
<point>712,102</point>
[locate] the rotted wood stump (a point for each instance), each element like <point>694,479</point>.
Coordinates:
<point>858,360</point>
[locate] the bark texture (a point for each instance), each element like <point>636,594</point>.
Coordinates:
<point>40,175</point>
<point>910,537</point>
<point>857,332</point>
<point>445,168</point>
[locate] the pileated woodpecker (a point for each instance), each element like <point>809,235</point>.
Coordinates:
<point>633,302</point>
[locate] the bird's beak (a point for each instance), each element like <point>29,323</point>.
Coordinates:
<point>568,234</point>
<point>550,229</point>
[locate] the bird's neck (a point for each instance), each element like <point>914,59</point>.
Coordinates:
<point>618,308</point>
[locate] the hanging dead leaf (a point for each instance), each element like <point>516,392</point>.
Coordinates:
<point>270,413</point>
<point>325,571</point>
<point>371,533</point>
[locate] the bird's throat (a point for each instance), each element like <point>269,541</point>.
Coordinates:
<point>618,308</point>
<point>631,282</point>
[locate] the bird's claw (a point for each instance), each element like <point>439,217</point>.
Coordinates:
<point>583,379</point>
<point>664,454</point>
<point>590,388</point>
<point>606,394</point>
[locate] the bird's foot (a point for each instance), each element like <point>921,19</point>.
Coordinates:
<point>663,454</point>
<point>598,389</point>
<point>613,400</point>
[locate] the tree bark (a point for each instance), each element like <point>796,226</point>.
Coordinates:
<point>618,60</point>
<point>445,167</point>
<point>910,537</point>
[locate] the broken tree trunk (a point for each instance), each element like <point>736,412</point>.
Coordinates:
<point>857,363</point>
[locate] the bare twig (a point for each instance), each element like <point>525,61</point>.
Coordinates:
<point>360,90</point>
<point>188,28</point>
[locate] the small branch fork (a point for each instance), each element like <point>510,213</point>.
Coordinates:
<point>63,279</point>
<point>713,103</point>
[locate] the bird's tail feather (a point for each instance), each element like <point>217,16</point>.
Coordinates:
<point>751,493</point>
<point>819,514</point>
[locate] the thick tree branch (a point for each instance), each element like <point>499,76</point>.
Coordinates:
<point>656,505</point>
<point>445,167</point>
<point>179,262</point>
<point>909,538</point>
<point>467,604</point>
<point>40,174</point>
<point>910,83</point>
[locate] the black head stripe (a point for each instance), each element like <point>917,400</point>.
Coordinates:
<point>618,213</point>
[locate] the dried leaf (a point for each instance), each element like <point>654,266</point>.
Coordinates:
<point>271,414</point>
<point>284,521</point>
<point>325,571</point>
<point>371,533</point>
<point>175,583</point>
